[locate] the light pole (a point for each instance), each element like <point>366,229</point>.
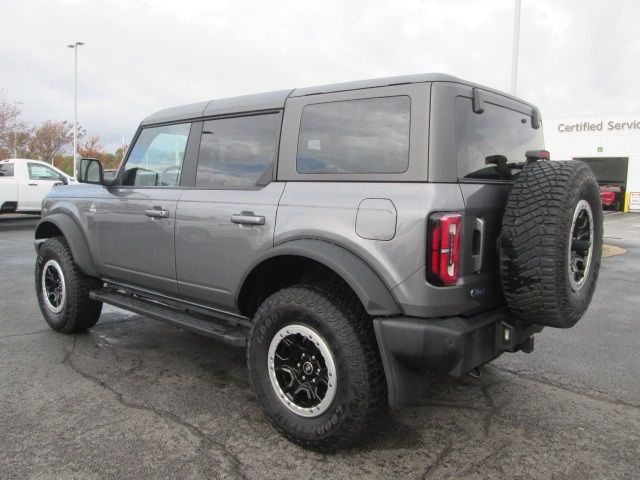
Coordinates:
<point>75,104</point>
<point>516,42</point>
<point>15,142</point>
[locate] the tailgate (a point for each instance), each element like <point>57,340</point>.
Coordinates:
<point>484,206</point>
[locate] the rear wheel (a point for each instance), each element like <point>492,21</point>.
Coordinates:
<point>315,367</point>
<point>63,289</point>
<point>551,243</point>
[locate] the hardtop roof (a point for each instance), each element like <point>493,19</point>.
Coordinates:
<point>276,100</point>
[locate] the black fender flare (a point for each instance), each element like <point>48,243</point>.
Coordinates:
<point>74,237</point>
<point>374,294</point>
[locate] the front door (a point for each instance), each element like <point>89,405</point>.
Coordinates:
<point>136,218</point>
<point>229,218</point>
<point>40,181</point>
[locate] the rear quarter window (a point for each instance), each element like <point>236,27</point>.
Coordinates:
<point>6,170</point>
<point>368,135</point>
<point>498,131</point>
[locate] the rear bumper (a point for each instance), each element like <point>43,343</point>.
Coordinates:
<point>411,346</point>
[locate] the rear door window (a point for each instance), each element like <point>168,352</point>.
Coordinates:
<point>487,143</point>
<point>156,157</point>
<point>237,152</point>
<point>6,170</point>
<point>368,135</point>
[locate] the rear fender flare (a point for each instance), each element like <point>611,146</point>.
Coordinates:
<point>375,296</point>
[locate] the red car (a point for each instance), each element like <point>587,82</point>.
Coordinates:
<point>611,195</point>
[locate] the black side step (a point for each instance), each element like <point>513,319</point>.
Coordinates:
<point>234,334</point>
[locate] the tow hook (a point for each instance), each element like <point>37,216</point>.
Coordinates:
<point>526,346</point>
<point>474,372</point>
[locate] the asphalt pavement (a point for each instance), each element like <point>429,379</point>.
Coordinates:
<point>134,398</point>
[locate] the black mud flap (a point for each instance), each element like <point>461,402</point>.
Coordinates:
<point>412,348</point>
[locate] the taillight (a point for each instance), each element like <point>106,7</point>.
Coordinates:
<point>444,248</point>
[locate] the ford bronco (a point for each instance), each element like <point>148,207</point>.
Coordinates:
<point>354,237</point>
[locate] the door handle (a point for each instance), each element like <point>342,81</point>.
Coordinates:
<point>478,244</point>
<point>247,218</point>
<point>32,184</point>
<point>157,213</point>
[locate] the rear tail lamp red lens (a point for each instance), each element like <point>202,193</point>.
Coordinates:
<point>444,234</point>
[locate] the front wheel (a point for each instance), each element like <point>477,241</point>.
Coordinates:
<point>63,289</point>
<point>315,367</point>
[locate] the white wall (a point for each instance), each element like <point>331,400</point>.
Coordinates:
<point>617,135</point>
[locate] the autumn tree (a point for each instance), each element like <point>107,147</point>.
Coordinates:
<point>48,139</point>
<point>91,147</point>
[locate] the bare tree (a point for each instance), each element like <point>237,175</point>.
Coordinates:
<point>9,126</point>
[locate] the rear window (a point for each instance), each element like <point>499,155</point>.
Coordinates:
<point>482,138</point>
<point>355,136</point>
<point>6,169</point>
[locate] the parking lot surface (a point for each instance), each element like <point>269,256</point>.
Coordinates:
<point>134,398</point>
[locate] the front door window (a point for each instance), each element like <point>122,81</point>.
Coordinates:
<point>157,156</point>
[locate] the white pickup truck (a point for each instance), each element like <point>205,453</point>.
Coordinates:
<point>24,184</point>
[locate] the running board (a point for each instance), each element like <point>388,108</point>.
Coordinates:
<point>226,331</point>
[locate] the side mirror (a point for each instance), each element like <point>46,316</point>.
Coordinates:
<point>90,171</point>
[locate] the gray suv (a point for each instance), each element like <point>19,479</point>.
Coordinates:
<point>353,237</point>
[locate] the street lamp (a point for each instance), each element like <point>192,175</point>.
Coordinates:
<point>15,143</point>
<point>516,42</point>
<point>75,104</point>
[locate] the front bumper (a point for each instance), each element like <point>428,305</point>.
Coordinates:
<point>411,346</point>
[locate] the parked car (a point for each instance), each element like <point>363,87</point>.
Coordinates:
<point>24,184</point>
<point>353,237</point>
<point>611,196</point>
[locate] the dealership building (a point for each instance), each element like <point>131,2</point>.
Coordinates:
<point>609,144</point>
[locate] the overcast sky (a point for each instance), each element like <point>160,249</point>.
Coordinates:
<point>577,58</point>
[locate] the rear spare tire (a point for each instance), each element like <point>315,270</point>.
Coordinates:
<point>551,243</point>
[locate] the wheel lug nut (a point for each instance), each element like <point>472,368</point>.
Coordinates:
<point>303,377</point>
<point>298,364</point>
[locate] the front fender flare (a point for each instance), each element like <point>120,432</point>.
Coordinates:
<point>74,237</point>
<point>375,296</point>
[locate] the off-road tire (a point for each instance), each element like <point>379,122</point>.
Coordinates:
<point>361,391</point>
<point>535,241</point>
<point>78,312</point>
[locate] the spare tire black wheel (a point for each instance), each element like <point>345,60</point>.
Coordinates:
<point>551,243</point>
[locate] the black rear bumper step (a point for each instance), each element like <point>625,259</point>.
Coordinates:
<point>411,347</point>
<point>234,334</point>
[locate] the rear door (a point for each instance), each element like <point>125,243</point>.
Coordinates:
<point>487,140</point>
<point>228,218</point>
<point>8,186</point>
